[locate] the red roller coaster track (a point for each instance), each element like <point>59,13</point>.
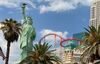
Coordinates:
<point>50,35</point>
<point>62,39</point>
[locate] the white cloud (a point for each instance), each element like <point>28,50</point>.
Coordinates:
<point>2,45</point>
<point>62,5</point>
<point>15,3</point>
<point>52,37</point>
<point>47,5</point>
<point>15,53</point>
<point>59,50</point>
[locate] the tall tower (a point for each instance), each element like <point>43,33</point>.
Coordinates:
<point>95,13</point>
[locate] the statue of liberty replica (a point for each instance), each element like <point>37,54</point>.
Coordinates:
<point>27,35</point>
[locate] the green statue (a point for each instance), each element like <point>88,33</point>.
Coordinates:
<point>27,35</point>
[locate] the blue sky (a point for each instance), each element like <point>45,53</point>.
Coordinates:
<point>71,20</point>
<point>64,17</point>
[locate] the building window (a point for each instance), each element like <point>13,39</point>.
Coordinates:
<point>93,12</point>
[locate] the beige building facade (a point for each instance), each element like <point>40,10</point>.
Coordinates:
<point>69,56</point>
<point>95,13</point>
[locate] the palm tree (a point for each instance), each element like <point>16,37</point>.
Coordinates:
<point>41,55</point>
<point>92,40</point>
<point>11,30</point>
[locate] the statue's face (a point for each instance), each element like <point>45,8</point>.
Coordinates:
<point>29,20</point>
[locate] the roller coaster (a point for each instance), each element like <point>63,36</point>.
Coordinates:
<point>62,40</point>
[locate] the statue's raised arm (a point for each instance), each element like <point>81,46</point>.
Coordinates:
<point>23,11</point>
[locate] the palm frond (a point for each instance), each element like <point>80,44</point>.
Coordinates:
<point>42,54</point>
<point>92,38</point>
